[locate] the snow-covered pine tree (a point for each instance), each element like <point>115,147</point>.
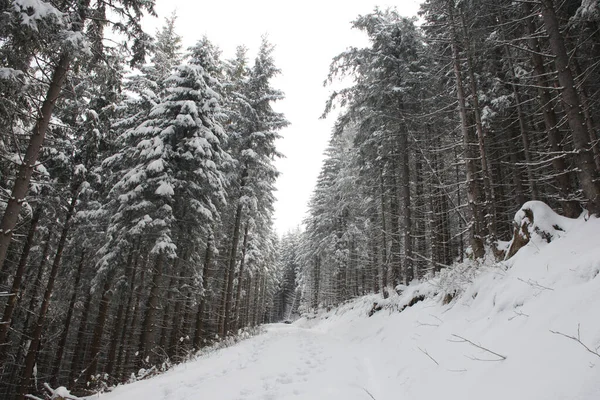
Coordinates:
<point>254,127</point>
<point>174,173</point>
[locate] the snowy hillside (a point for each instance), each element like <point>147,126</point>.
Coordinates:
<point>527,329</point>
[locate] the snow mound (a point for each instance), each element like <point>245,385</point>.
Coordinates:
<point>537,222</point>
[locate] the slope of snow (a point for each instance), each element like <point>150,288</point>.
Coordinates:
<point>502,337</point>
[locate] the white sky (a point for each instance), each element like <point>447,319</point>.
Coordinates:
<point>307,35</point>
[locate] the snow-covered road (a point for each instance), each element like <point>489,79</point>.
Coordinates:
<point>286,362</point>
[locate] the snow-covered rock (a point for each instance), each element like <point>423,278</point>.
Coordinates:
<point>538,222</point>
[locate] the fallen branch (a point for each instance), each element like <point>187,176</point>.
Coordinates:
<point>534,284</point>
<point>518,314</point>
<point>369,393</point>
<point>463,340</point>
<point>428,355</point>
<point>578,340</point>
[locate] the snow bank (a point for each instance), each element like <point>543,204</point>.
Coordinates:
<point>526,328</point>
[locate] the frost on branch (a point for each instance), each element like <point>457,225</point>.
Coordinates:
<point>536,222</point>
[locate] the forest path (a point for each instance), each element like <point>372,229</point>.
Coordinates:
<point>286,362</point>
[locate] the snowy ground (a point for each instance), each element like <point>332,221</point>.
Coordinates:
<point>514,311</point>
<point>287,362</point>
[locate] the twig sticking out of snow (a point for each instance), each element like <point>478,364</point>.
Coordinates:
<point>369,393</point>
<point>463,340</point>
<point>518,314</point>
<point>578,340</point>
<point>428,355</point>
<point>534,284</point>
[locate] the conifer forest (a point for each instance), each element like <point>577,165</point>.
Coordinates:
<point>137,177</point>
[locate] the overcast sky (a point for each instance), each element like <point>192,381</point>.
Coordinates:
<point>307,35</point>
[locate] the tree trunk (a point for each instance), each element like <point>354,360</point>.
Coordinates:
<point>589,121</point>
<point>407,222</point>
<point>65,333</point>
<point>37,332</point>
<point>248,301</point>
<point>316,280</point>
<point>21,185</point>
<point>587,174</point>
<point>95,347</point>
<point>488,184</point>
<point>472,185</point>
<point>13,297</point>
<point>114,340</point>
<point>384,255</point>
<point>80,345</point>
<point>34,298</point>
<point>124,328</point>
<point>235,238</point>
<point>523,128</point>
<point>167,329</point>
<point>198,334</point>
<point>395,260</point>
<point>238,294</point>
<point>130,345</point>
<point>571,208</point>
<point>149,324</point>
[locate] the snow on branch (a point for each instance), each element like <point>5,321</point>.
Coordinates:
<point>34,11</point>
